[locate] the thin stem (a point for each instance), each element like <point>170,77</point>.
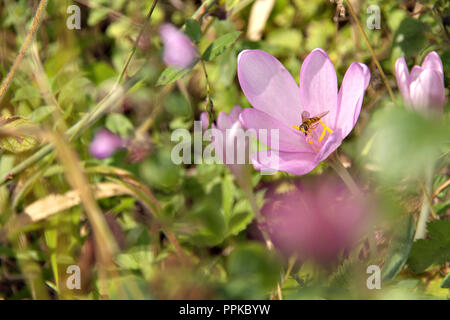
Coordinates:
<point>203,9</point>
<point>209,108</point>
<point>427,206</point>
<point>336,164</point>
<point>292,261</point>
<point>259,218</point>
<point>125,66</point>
<point>28,40</point>
<point>112,98</point>
<point>374,57</point>
<point>440,188</point>
<point>427,197</point>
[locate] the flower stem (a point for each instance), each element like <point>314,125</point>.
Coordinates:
<point>28,40</point>
<point>374,57</point>
<point>336,164</point>
<point>259,217</point>
<point>427,205</point>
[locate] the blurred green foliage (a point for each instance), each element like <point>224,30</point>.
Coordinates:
<point>202,206</point>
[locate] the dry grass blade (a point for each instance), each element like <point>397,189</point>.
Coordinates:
<point>261,10</point>
<point>78,181</point>
<point>54,203</point>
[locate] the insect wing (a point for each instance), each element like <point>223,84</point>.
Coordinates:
<point>321,115</point>
<point>305,116</point>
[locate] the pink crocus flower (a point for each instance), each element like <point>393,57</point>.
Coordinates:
<point>423,88</point>
<point>278,103</point>
<point>178,48</point>
<point>232,141</point>
<point>104,144</point>
<point>315,220</point>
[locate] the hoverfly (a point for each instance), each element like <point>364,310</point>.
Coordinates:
<point>309,123</point>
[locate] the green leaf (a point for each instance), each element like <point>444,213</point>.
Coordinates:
<point>227,196</point>
<point>119,124</point>
<point>193,29</point>
<point>220,45</point>
<point>436,250</point>
<point>160,172</point>
<point>399,249</point>
<point>410,37</point>
<point>253,272</point>
<point>26,93</point>
<point>41,113</point>
<point>241,217</point>
<point>400,134</point>
<point>446,282</point>
<point>441,207</point>
<point>97,15</point>
<point>17,143</point>
<point>172,74</point>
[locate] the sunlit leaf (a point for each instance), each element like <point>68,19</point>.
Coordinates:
<point>220,45</point>
<point>16,143</point>
<point>171,74</point>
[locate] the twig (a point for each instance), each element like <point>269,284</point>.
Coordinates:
<point>440,188</point>
<point>374,57</point>
<point>112,98</point>
<point>336,164</point>
<point>28,40</point>
<point>427,206</point>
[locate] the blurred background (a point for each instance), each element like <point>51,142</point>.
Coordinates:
<point>137,226</point>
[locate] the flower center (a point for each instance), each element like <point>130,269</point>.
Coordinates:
<point>311,134</point>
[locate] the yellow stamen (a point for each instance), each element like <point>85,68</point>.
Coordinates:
<point>296,127</point>
<point>325,129</point>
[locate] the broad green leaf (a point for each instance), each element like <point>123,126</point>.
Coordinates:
<point>97,15</point>
<point>18,143</point>
<point>41,113</point>
<point>253,272</point>
<point>172,74</point>
<point>119,124</point>
<point>446,282</point>
<point>220,45</point>
<point>399,249</point>
<point>160,172</point>
<point>410,37</point>
<point>241,217</point>
<point>227,195</point>
<point>193,29</point>
<point>435,250</point>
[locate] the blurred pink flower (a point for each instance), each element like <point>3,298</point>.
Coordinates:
<point>423,89</point>
<point>104,144</point>
<point>178,48</point>
<point>232,142</point>
<point>316,220</point>
<point>278,103</point>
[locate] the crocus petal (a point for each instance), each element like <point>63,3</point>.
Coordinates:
<point>332,143</point>
<point>235,112</point>
<point>178,48</point>
<point>289,140</point>
<point>226,121</point>
<point>403,78</point>
<point>433,62</point>
<point>269,86</point>
<point>351,96</point>
<point>292,162</point>
<point>427,91</point>
<point>318,86</point>
<point>223,121</point>
<point>205,120</point>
